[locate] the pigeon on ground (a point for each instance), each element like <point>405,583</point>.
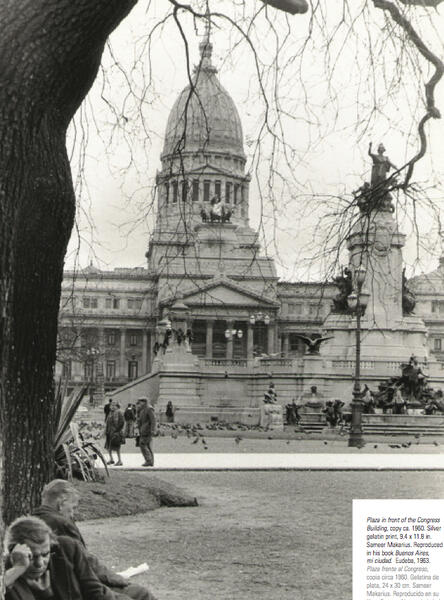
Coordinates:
<point>238,439</point>
<point>195,441</point>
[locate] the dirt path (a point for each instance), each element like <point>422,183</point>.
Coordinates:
<point>277,536</point>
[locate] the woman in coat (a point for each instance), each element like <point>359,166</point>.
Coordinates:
<point>114,433</point>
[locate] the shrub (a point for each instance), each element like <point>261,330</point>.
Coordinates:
<point>74,455</point>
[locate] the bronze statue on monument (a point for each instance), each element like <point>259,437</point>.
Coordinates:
<point>376,195</point>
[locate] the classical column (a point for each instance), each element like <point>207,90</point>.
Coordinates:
<point>144,352</point>
<point>250,342</point>
<point>229,350</point>
<point>286,343</point>
<point>77,364</point>
<point>122,366</point>
<point>209,340</point>
<point>270,338</point>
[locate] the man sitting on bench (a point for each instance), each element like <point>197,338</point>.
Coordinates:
<point>59,501</point>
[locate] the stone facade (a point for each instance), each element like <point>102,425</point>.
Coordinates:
<point>210,277</point>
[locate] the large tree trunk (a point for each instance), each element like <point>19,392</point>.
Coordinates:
<point>50,51</point>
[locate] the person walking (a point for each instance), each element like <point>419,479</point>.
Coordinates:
<point>114,433</point>
<point>146,422</point>
<point>130,417</point>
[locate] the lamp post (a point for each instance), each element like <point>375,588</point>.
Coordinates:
<point>233,333</point>
<point>92,354</point>
<point>260,317</point>
<point>357,302</point>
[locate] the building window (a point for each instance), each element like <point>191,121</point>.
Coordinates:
<point>110,372</point>
<point>88,369</point>
<point>167,193</point>
<point>134,303</point>
<point>67,369</point>
<point>437,344</point>
<point>314,310</point>
<point>437,306</point>
<point>295,309</point>
<point>175,191</point>
<point>228,186</point>
<point>134,339</point>
<point>236,194</point>
<point>133,368</point>
<point>111,338</point>
<point>89,302</point>
<point>217,187</point>
<point>184,191</point>
<point>112,302</point>
<point>195,190</point>
<point>207,185</point>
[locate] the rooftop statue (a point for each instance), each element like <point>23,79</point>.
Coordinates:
<point>219,212</point>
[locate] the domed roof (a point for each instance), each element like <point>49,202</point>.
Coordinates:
<point>205,119</point>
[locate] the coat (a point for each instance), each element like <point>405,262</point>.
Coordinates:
<point>146,422</point>
<point>114,430</point>
<point>71,576</point>
<point>66,527</point>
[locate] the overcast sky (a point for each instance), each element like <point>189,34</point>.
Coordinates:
<point>348,87</point>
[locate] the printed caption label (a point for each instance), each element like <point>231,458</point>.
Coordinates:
<point>398,549</point>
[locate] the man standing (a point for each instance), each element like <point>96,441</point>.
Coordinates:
<point>146,422</point>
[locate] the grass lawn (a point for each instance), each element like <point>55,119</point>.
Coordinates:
<point>275,535</point>
<point>126,493</point>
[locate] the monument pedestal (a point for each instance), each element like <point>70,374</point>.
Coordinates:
<point>404,337</point>
<point>272,417</point>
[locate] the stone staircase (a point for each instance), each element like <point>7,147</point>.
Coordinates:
<point>379,424</point>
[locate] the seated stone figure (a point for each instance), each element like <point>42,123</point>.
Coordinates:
<point>40,565</point>
<point>59,501</point>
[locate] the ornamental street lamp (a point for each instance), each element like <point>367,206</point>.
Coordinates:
<point>357,302</point>
<point>233,333</point>
<point>260,317</point>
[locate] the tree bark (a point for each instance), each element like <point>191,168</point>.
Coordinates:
<point>50,51</point>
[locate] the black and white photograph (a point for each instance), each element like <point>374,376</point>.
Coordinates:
<point>221,299</point>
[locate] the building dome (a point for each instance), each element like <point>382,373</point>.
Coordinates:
<point>206,119</point>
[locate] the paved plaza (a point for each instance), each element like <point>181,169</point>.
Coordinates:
<point>348,459</point>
